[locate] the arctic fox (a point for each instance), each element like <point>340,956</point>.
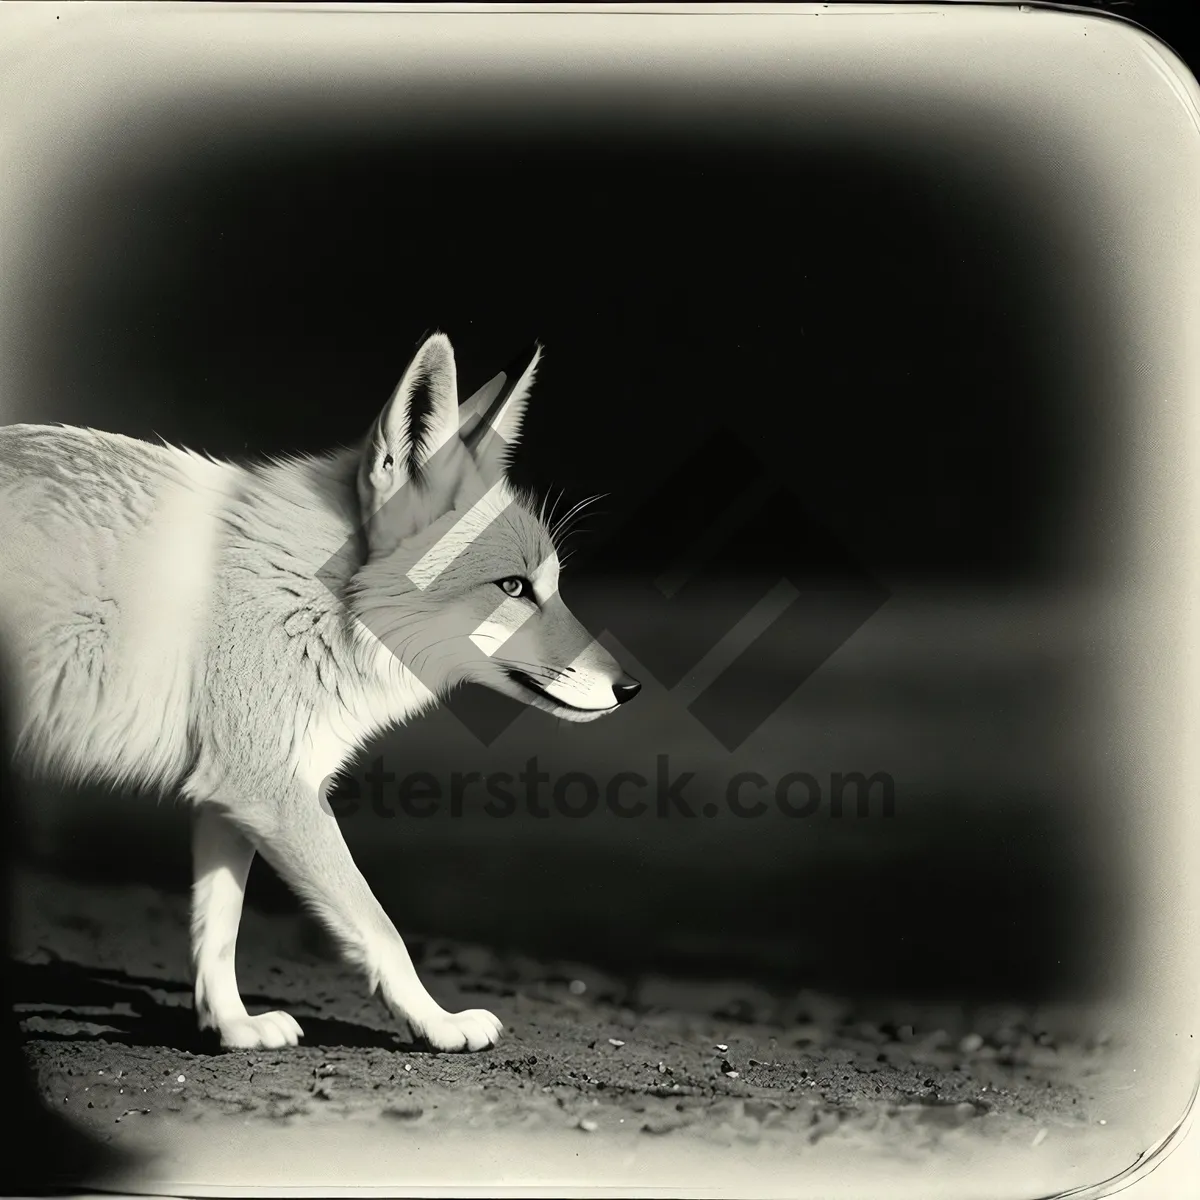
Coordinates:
<point>239,632</point>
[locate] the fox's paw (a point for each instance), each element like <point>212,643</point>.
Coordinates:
<point>474,1029</point>
<point>268,1031</point>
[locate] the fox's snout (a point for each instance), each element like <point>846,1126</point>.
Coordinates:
<point>594,683</point>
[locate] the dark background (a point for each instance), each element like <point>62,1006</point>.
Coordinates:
<point>869,317</point>
<point>913,339</point>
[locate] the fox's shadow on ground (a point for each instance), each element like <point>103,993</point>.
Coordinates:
<point>113,1006</point>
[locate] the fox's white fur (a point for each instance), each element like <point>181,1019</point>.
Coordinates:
<point>238,632</point>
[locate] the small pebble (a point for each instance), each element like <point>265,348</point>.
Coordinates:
<point>577,987</point>
<point>734,1075</point>
<point>616,1042</point>
<point>1040,1137</point>
<point>588,1125</point>
<point>719,1046</point>
<point>971,1043</point>
<point>179,1078</point>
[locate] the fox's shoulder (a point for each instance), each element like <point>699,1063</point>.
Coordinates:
<point>57,473</point>
<point>75,454</point>
<point>50,441</point>
<point>58,451</point>
<point>79,465</point>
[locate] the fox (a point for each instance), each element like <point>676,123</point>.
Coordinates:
<point>235,633</point>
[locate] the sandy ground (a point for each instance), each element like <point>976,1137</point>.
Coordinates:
<point>104,1002</point>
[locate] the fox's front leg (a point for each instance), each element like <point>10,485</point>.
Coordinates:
<point>221,858</point>
<point>304,844</point>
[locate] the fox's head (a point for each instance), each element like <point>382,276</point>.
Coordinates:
<point>462,571</point>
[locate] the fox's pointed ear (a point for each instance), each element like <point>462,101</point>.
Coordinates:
<point>417,422</point>
<point>470,410</point>
<point>491,428</point>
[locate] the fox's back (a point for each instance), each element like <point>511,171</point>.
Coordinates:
<point>108,550</point>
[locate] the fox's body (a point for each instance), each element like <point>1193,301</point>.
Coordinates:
<point>237,633</point>
<point>153,595</point>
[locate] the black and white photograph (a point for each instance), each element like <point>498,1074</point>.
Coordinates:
<point>598,598</point>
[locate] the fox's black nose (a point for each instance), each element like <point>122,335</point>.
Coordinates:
<point>626,688</point>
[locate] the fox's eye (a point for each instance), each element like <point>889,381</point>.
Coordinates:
<point>515,587</point>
